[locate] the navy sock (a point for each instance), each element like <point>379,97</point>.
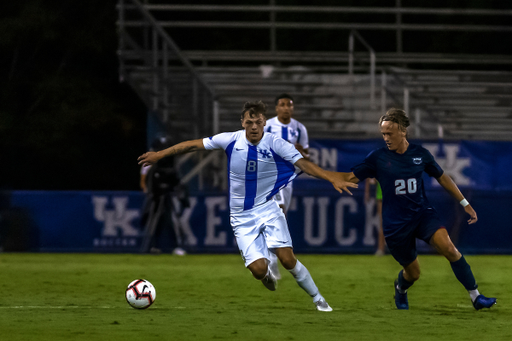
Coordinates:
<point>403,284</point>
<point>463,272</point>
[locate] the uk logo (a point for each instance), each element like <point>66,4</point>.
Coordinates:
<point>117,222</point>
<point>416,160</point>
<point>451,163</point>
<point>264,153</point>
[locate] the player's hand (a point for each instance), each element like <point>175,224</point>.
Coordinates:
<point>344,185</point>
<point>148,159</point>
<point>340,184</point>
<point>469,210</point>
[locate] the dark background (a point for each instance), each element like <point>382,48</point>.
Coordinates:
<point>67,123</point>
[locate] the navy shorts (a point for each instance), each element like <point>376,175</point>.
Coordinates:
<point>402,245</point>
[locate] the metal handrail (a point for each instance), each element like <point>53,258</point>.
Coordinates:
<point>385,90</point>
<point>157,26</point>
<point>327,9</point>
<point>354,33</point>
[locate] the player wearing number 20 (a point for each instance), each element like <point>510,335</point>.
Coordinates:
<point>406,211</point>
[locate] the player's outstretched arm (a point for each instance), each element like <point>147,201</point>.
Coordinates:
<point>339,180</point>
<point>447,183</point>
<point>151,158</point>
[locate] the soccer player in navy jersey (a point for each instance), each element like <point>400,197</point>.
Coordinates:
<point>259,165</point>
<point>406,212</point>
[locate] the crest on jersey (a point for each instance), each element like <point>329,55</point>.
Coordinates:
<point>416,160</point>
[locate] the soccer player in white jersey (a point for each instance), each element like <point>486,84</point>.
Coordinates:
<point>291,130</point>
<point>259,165</point>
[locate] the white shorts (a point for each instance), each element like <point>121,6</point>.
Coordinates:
<point>284,197</point>
<point>259,229</point>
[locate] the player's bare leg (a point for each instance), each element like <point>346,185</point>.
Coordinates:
<point>302,276</point>
<point>443,244</point>
<point>261,271</point>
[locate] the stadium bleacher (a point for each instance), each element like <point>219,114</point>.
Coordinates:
<point>197,91</point>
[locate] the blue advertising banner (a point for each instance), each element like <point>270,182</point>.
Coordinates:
<point>320,219</point>
<point>325,222</point>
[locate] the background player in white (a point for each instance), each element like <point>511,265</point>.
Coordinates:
<point>291,130</point>
<point>259,164</point>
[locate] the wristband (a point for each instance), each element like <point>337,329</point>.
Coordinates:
<point>464,202</point>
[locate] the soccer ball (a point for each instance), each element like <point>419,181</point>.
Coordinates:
<point>140,294</point>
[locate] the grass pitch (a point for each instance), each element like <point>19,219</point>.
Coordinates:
<point>205,297</point>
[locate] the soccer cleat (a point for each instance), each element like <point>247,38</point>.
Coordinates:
<point>322,305</point>
<point>483,302</point>
<point>179,251</point>
<point>401,301</point>
<point>270,281</point>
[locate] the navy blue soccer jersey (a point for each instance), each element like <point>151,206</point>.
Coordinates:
<point>400,176</point>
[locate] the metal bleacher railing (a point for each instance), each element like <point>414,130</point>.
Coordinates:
<point>195,91</point>
<point>272,25</point>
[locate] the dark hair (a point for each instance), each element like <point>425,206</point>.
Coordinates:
<point>283,96</point>
<point>254,108</point>
<point>397,116</point>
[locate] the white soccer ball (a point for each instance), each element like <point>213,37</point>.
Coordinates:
<point>140,294</point>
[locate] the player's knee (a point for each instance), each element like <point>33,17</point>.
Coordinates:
<point>258,269</point>
<point>288,261</point>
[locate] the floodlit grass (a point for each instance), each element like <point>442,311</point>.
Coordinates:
<point>204,297</point>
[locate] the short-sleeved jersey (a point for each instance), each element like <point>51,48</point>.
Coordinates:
<point>400,177</point>
<point>293,132</point>
<point>255,172</point>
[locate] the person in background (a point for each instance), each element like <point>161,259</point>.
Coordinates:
<point>165,200</point>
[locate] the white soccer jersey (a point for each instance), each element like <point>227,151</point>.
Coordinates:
<point>293,132</point>
<point>256,172</point>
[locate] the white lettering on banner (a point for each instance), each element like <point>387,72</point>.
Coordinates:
<point>212,203</point>
<point>340,217</point>
<point>451,164</point>
<point>117,222</point>
<point>309,203</point>
<point>183,222</point>
<point>372,223</point>
<point>325,157</point>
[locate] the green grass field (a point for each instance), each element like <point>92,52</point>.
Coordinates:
<point>205,297</point>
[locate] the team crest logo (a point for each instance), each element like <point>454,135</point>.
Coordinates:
<point>416,160</point>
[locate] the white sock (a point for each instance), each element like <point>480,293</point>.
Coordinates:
<point>473,294</point>
<point>305,281</point>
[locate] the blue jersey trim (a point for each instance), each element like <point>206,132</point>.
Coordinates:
<point>251,177</point>
<point>284,133</point>
<point>229,151</point>
<point>285,170</point>
<point>298,137</point>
